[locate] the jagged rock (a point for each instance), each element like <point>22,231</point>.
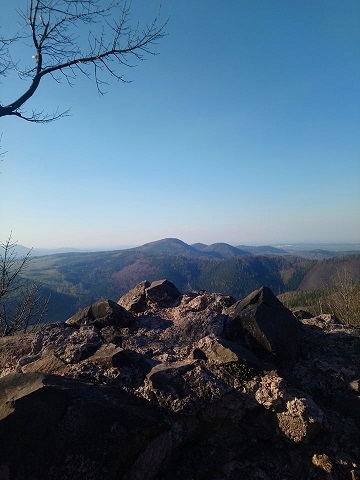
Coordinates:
<point>12,349</point>
<point>262,321</point>
<point>60,428</point>
<point>135,299</point>
<point>205,301</point>
<point>355,385</point>
<point>302,419</point>
<point>102,314</point>
<point>271,393</point>
<point>221,352</point>
<point>109,355</point>
<point>298,417</point>
<point>162,292</point>
<point>81,344</point>
<point>184,387</point>
<point>158,294</point>
<point>328,318</point>
<point>262,296</point>
<point>48,364</point>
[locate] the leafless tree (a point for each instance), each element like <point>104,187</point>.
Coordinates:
<point>95,38</point>
<point>344,297</point>
<point>21,303</point>
<point>70,37</point>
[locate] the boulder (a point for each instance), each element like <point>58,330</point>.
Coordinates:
<point>135,299</point>
<point>109,355</point>
<point>103,313</point>
<point>48,364</point>
<point>184,387</point>
<point>261,296</point>
<point>61,428</point>
<point>268,328</point>
<point>301,420</point>
<point>298,417</point>
<point>158,294</point>
<point>163,292</point>
<point>221,352</point>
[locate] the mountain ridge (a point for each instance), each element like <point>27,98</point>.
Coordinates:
<point>172,244</point>
<point>87,276</point>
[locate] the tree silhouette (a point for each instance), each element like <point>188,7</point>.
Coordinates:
<point>94,38</point>
<point>22,305</point>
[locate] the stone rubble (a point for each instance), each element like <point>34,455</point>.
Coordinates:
<point>164,386</point>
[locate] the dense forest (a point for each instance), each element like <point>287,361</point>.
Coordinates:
<point>74,280</point>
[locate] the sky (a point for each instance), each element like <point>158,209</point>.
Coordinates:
<point>243,129</point>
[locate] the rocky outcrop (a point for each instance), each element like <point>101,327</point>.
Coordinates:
<point>161,293</point>
<point>166,386</point>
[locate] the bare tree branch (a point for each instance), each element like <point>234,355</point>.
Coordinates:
<point>10,267</point>
<point>21,301</point>
<point>68,37</point>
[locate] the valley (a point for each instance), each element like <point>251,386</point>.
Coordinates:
<point>77,279</point>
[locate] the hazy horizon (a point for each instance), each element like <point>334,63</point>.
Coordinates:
<point>254,243</point>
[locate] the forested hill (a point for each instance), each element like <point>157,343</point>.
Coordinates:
<point>78,279</point>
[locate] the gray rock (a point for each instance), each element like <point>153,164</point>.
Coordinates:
<point>184,387</point>
<point>60,429</point>
<point>163,292</point>
<point>299,418</point>
<point>220,351</point>
<point>109,355</point>
<point>103,313</point>
<point>168,398</point>
<point>135,299</point>
<point>268,328</point>
<point>158,294</point>
<point>81,344</point>
<point>48,364</point>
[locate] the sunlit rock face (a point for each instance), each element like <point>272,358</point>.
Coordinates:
<point>164,385</point>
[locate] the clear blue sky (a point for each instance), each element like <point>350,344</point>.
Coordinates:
<point>245,128</point>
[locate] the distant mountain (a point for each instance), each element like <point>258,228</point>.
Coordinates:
<point>167,246</point>
<point>229,250</point>
<point>174,246</point>
<point>262,250</point>
<point>199,246</point>
<point>223,250</point>
<point>319,251</point>
<point>21,251</point>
